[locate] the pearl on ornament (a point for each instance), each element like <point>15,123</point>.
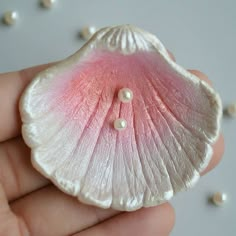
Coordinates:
<point>219,198</point>
<point>125,95</point>
<point>87,32</point>
<point>231,110</point>
<point>120,124</point>
<point>10,17</point>
<point>47,3</point>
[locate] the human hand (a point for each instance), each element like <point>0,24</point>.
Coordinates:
<point>31,205</point>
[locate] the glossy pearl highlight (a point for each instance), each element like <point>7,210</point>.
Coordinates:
<point>231,110</point>
<point>125,95</point>
<point>10,17</point>
<point>47,3</point>
<point>219,198</point>
<point>120,124</point>
<point>87,32</point>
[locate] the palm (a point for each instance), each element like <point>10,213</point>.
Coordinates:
<point>31,205</point>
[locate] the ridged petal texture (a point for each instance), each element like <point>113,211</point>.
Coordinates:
<point>68,112</point>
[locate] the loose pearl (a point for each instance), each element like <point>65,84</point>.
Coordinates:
<point>125,95</point>
<point>120,124</point>
<point>47,3</point>
<point>10,17</point>
<point>231,110</point>
<point>87,32</point>
<point>219,198</point>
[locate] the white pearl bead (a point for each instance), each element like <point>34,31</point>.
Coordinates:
<point>219,198</point>
<point>10,17</point>
<point>125,95</point>
<point>87,32</point>
<point>120,124</point>
<point>231,110</point>
<point>47,3</point>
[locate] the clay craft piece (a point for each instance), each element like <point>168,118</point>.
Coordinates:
<point>119,124</point>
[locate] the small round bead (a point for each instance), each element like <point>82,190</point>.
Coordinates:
<point>125,95</point>
<point>120,124</point>
<point>87,32</point>
<point>219,198</point>
<point>231,110</point>
<point>10,17</point>
<point>47,3</point>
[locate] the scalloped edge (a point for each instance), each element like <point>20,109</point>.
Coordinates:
<point>103,40</point>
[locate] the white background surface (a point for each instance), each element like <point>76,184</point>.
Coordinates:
<point>201,34</point>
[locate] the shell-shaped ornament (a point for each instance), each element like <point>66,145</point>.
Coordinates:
<point>119,124</point>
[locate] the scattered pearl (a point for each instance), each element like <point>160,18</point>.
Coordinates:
<point>47,3</point>
<point>120,124</point>
<point>231,110</point>
<point>10,17</point>
<point>125,95</point>
<point>219,198</point>
<point>87,32</point>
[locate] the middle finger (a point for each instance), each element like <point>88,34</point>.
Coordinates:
<point>17,175</point>
<point>49,212</point>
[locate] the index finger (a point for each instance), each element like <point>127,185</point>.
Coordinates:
<point>11,87</point>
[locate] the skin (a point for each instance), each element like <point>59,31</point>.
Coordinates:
<point>31,205</point>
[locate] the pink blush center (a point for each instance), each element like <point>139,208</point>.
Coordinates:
<point>91,88</point>
<point>100,76</point>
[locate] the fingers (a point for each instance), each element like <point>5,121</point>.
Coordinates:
<point>16,172</point>
<point>171,55</point>
<point>201,75</point>
<point>49,212</point>
<point>3,200</point>
<point>147,221</point>
<point>218,147</point>
<point>11,87</point>
<point>8,221</point>
<point>218,151</point>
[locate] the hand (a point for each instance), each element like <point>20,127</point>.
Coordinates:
<point>31,205</point>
